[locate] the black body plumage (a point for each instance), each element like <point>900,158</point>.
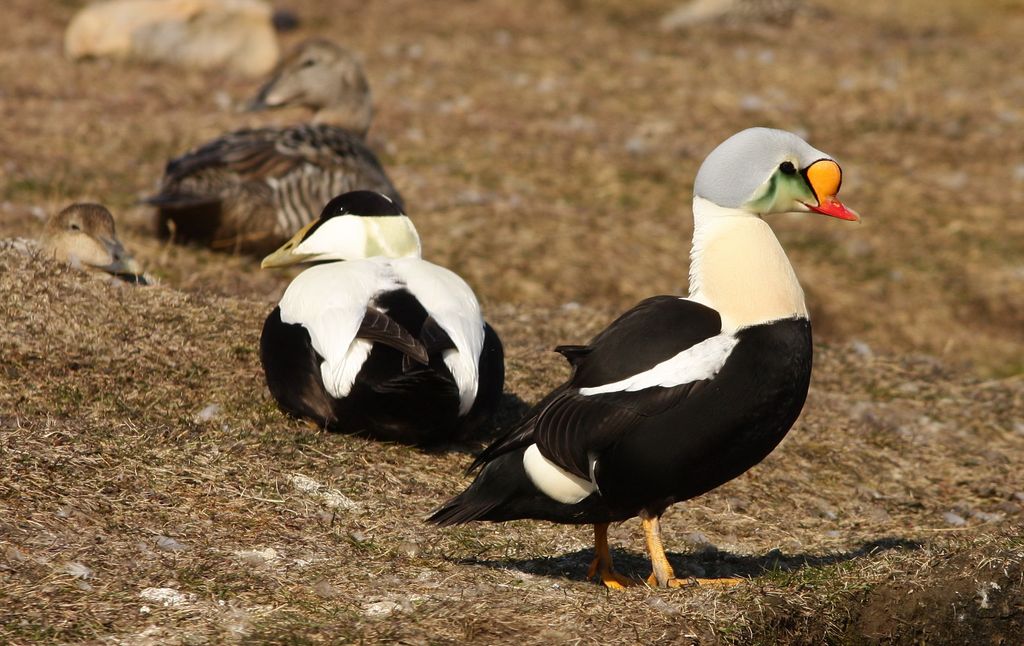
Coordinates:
<point>656,446</point>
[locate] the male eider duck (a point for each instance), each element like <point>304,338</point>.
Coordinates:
<point>373,339</point>
<point>678,395</point>
<point>83,235</point>
<point>250,189</point>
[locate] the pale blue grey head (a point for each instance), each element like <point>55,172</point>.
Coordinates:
<point>734,171</point>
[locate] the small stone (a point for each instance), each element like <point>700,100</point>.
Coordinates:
<point>258,557</point>
<point>381,608</point>
<point>78,570</point>
<point>14,555</point>
<point>166,596</point>
<point>877,514</point>
<point>862,349</point>
<point>169,544</point>
<point>956,520</point>
<point>825,510</point>
<point>408,548</point>
<point>324,589</point>
<point>662,606</point>
<point>751,102</point>
<point>206,414</point>
<point>986,517</point>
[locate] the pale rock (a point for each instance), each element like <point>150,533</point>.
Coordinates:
<point>234,34</point>
<point>956,520</point>
<point>382,608</point>
<point>78,570</point>
<point>166,596</point>
<point>169,544</point>
<point>700,12</point>
<point>332,498</point>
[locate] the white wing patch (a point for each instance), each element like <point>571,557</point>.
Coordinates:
<point>554,481</point>
<point>700,361</point>
<point>447,298</point>
<point>341,375</point>
<point>330,302</point>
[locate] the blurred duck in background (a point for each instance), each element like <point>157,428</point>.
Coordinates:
<point>82,235</point>
<point>250,189</point>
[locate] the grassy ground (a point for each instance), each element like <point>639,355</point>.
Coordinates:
<point>151,493</point>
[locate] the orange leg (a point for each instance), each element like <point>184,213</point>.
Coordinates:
<point>602,564</point>
<point>663,576</point>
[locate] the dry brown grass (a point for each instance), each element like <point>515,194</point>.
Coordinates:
<point>547,154</point>
<point>141,450</point>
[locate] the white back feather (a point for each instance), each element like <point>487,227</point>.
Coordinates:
<point>451,302</point>
<point>330,302</point>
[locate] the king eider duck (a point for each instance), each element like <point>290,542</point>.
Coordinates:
<point>83,235</point>
<point>373,339</point>
<point>249,190</point>
<point>678,395</point>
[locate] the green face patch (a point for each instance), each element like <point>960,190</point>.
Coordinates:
<point>780,192</point>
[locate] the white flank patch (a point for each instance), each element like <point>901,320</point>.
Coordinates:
<point>554,481</point>
<point>701,361</point>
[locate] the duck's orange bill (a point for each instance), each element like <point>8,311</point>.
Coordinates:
<point>825,178</point>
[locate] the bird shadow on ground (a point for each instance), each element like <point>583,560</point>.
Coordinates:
<point>706,562</point>
<point>510,410</point>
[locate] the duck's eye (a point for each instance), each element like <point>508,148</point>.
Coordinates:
<point>309,62</point>
<point>787,168</point>
<point>74,227</point>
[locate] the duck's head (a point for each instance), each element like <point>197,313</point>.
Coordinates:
<point>83,234</point>
<point>762,170</point>
<point>324,77</point>
<point>354,225</point>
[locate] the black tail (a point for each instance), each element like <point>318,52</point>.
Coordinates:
<point>494,487</point>
<point>502,491</point>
